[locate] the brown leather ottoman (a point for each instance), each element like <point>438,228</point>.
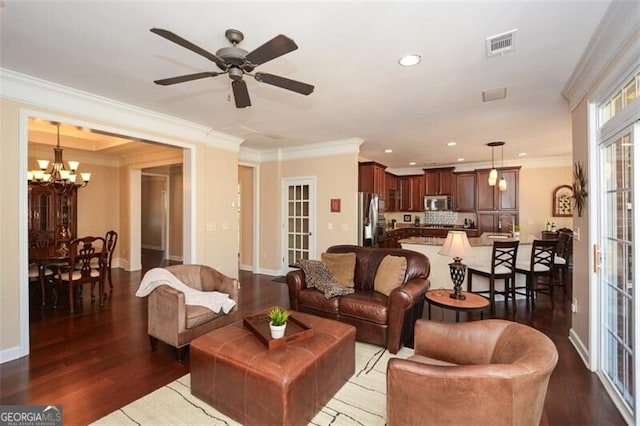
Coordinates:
<point>235,373</point>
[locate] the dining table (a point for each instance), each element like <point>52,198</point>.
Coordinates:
<point>52,255</point>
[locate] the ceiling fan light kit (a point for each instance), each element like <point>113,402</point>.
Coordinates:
<point>237,62</point>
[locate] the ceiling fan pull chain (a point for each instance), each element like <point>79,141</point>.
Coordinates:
<point>229,91</point>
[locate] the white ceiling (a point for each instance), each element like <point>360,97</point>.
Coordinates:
<point>348,50</point>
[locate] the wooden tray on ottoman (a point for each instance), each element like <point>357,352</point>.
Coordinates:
<point>259,326</point>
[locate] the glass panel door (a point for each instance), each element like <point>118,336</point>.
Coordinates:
<point>616,276</point>
<point>299,225</point>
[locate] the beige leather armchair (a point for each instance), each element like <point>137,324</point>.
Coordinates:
<point>491,372</point>
<point>174,322</point>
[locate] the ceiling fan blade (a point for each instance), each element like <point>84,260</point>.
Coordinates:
<point>285,83</point>
<point>183,78</point>
<point>240,94</point>
<point>188,45</point>
<point>277,46</point>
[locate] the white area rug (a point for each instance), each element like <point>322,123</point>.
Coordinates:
<point>362,400</point>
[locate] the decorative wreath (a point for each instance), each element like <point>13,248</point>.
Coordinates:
<point>579,187</point>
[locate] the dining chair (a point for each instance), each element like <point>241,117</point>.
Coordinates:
<point>41,239</point>
<point>112,239</point>
<point>562,259</point>
<point>540,265</point>
<point>503,258</point>
<point>87,265</point>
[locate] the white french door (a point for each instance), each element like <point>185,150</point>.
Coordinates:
<point>618,238</point>
<point>298,221</point>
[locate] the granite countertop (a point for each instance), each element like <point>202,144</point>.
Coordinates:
<point>427,226</point>
<point>485,239</point>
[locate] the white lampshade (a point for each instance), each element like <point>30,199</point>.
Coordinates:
<point>493,177</point>
<point>73,165</point>
<point>72,177</point>
<point>86,176</point>
<point>456,245</point>
<point>502,185</point>
<point>43,164</point>
<point>64,174</point>
<point>29,175</point>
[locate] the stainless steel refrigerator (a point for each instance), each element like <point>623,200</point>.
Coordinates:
<point>371,220</point>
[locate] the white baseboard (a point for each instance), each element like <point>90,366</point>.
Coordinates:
<point>580,347</point>
<point>10,354</point>
<point>246,268</point>
<point>272,272</point>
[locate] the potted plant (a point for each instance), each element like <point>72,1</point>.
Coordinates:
<point>516,231</point>
<point>278,321</point>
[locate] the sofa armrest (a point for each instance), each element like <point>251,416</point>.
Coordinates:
<point>213,280</point>
<point>401,299</point>
<point>296,282</point>
<point>166,314</point>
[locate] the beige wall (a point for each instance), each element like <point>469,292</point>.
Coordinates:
<point>176,212</point>
<point>581,247</point>
<point>214,190</point>
<point>245,180</point>
<point>536,198</point>
<point>336,177</point>
<point>152,211</point>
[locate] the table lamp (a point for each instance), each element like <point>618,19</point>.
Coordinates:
<point>456,245</point>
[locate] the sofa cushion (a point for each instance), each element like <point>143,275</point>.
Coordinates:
<point>365,305</point>
<point>341,265</point>
<point>197,315</point>
<point>311,298</point>
<point>390,274</point>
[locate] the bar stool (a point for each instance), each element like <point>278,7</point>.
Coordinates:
<point>503,259</point>
<point>540,265</point>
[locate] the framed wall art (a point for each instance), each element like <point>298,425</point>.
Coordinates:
<point>562,201</point>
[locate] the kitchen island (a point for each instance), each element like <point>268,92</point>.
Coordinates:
<point>481,250</point>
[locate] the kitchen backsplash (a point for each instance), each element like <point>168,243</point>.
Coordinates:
<point>440,218</point>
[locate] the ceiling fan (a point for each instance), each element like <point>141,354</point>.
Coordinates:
<point>237,62</point>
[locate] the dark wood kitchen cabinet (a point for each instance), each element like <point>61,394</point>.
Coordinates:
<point>392,196</point>
<point>490,198</point>
<point>497,210</point>
<point>439,181</point>
<point>411,193</point>
<point>371,178</point>
<point>464,195</point>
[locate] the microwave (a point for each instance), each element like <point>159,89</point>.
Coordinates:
<point>438,203</point>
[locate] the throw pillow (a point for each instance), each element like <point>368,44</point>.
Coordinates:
<point>319,276</point>
<point>315,272</point>
<point>341,265</point>
<point>390,274</point>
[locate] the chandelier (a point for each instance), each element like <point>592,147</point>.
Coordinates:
<point>58,176</point>
<point>493,174</point>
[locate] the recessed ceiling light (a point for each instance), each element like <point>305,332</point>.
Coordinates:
<point>522,154</point>
<point>413,163</point>
<point>410,60</point>
<point>451,144</point>
<point>388,150</point>
<point>460,159</point>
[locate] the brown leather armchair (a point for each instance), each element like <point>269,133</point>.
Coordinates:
<point>381,320</point>
<point>177,324</point>
<point>491,372</point>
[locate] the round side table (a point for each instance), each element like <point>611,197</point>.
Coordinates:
<point>441,299</point>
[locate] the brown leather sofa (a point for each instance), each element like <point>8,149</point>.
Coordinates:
<point>491,372</point>
<point>176,323</point>
<point>381,320</point>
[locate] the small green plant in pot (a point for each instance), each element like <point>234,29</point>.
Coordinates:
<point>516,230</point>
<point>278,321</point>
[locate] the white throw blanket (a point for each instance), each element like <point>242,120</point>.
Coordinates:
<point>213,300</point>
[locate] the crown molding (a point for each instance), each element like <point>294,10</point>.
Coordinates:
<point>45,94</point>
<point>532,163</point>
<point>613,40</point>
<point>321,149</point>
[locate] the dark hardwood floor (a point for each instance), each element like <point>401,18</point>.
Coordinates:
<point>98,360</point>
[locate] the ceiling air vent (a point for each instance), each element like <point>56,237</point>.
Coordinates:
<point>501,43</point>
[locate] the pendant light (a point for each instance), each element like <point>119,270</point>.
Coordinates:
<point>493,174</point>
<point>502,185</point>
